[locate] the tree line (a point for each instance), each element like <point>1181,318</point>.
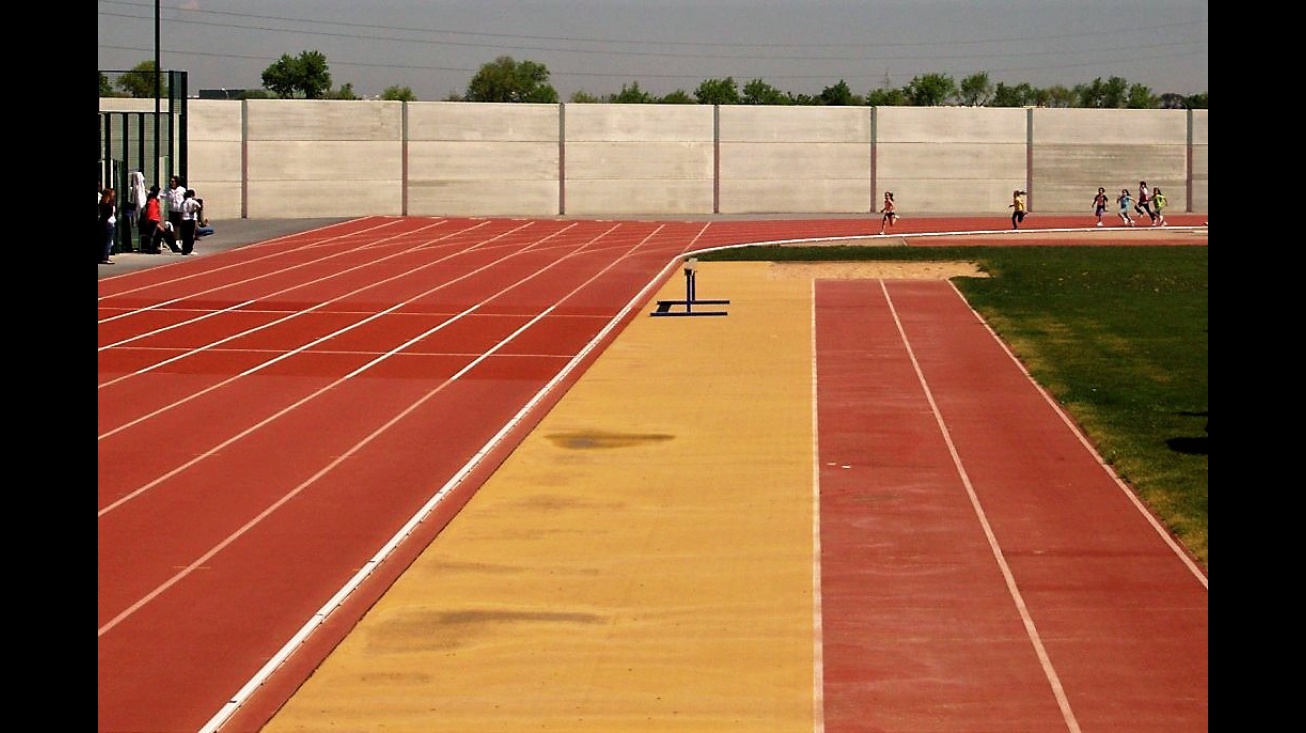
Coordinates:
<point>308,76</point>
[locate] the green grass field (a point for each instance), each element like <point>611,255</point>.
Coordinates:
<point>1117,335</point>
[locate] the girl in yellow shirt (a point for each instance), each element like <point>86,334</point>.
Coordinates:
<point>1017,207</point>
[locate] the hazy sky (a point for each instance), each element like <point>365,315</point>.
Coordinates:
<point>597,46</point>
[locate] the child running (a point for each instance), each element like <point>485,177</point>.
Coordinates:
<point>890,211</point>
<point>1158,207</point>
<point>1125,203</point>
<point>1099,204</point>
<point>1017,207</point>
<point>1144,203</point>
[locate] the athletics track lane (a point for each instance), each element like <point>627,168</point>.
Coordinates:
<point>193,293</point>
<point>979,564</point>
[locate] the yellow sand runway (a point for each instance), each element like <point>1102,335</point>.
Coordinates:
<point>642,562</point>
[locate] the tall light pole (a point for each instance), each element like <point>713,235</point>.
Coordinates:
<point>158,91</point>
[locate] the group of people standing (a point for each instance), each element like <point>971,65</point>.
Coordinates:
<point>1150,202</point>
<point>144,209</point>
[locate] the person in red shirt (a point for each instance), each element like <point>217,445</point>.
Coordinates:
<point>151,215</point>
<point>154,231</point>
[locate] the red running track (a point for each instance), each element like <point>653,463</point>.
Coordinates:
<point>284,426</point>
<point>962,583</point>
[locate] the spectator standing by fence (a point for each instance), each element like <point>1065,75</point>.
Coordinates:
<point>108,223</point>
<point>133,207</point>
<point>191,211</point>
<point>176,195</point>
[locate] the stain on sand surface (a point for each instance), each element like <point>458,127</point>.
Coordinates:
<point>597,439</point>
<point>425,631</point>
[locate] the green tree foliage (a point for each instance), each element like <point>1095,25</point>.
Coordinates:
<point>1057,96</point>
<point>1019,95</point>
<point>680,96</point>
<point>1110,94</point>
<point>838,95</point>
<point>931,90</point>
<point>976,90</point>
<point>1170,100</point>
<point>305,76</point>
<point>398,94</point>
<point>1092,94</point>
<point>106,89</point>
<point>506,80</point>
<point>718,91</point>
<point>139,82</point>
<point>759,92</point>
<point>632,94</point>
<point>344,92</point>
<point>887,98</point>
<point>1140,97</point>
<point>1116,93</point>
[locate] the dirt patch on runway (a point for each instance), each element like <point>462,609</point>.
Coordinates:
<point>875,270</point>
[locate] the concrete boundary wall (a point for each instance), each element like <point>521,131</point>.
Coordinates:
<point>633,159</point>
<point>946,159</point>
<point>274,158</point>
<point>795,159</point>
<point>470,159</point>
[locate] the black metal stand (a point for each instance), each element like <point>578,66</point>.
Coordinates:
<point>691,276</point>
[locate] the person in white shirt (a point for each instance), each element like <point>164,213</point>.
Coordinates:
<point>133,205</point>
<point>191,211</point>
<point>176,194</point>
<point>1144,203</point>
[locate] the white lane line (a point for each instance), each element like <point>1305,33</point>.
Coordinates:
<point>1083,440</point>
<point>818,624</point>
<point>365,441</point>
<point>242,263</point>
<point>1031,630</point>
<point>242,695</point>
<point>284,355</point>
<point>291,289</point>
<point>311,396</point>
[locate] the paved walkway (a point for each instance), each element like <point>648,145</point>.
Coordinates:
<point>228,234</point>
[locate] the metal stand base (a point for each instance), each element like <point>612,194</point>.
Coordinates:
<point>664,306</point>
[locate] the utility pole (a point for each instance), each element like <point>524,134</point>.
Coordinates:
<point>158,91</point>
